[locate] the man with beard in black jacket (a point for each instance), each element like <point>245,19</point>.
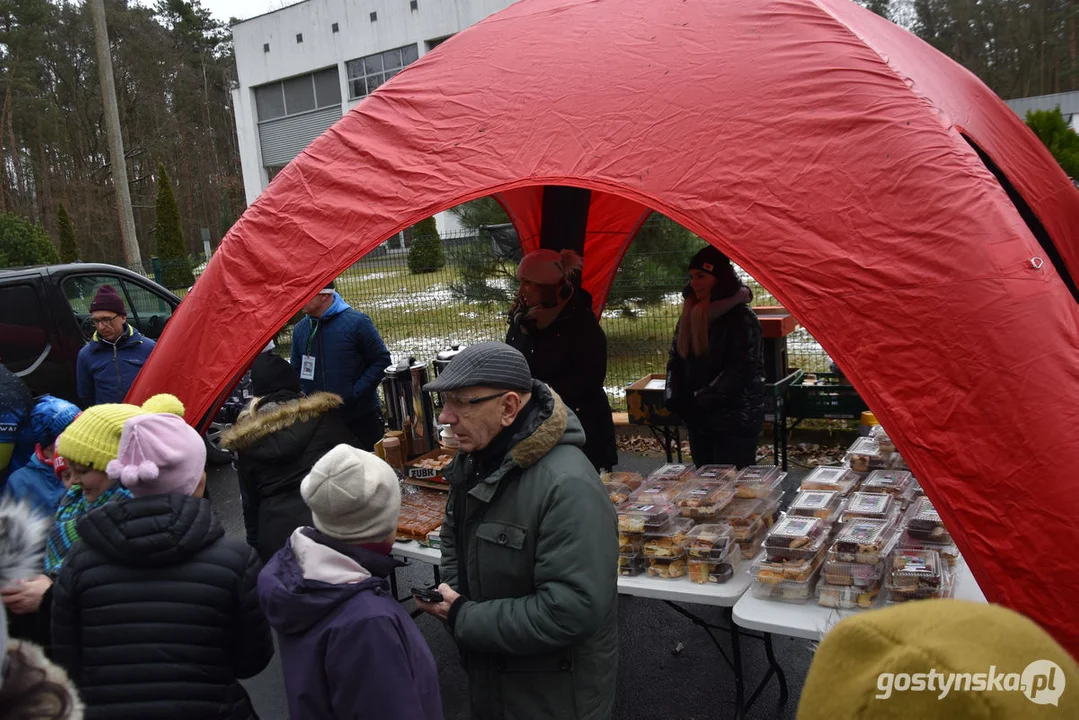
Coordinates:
<point>155,612</point>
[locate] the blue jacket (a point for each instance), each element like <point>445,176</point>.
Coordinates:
<point>350,357</point>
<point>36,482</point>
<point>105,371</point>
<point>348,648</point>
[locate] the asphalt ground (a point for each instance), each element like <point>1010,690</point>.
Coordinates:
<point>668,668</point>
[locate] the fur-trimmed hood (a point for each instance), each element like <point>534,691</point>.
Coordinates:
<point>28,668</point>
<point>552,424</point>
<point>22,541</point>
<point>255,425</point>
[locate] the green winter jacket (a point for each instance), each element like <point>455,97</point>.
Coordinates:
<point>538,634</point>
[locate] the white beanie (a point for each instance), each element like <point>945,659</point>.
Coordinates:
<point>353,495</point>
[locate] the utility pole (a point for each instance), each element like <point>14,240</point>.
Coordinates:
<point>116,141</point>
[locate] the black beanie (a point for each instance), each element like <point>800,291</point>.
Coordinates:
<point>710,260</point>
<point>271,373</point>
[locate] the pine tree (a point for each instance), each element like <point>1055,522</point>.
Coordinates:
<point>426,253</point>
<point>69,248</point>
<point>175,263</point>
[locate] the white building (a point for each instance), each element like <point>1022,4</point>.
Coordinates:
<point>1068,103</point>
<point>302,67</point>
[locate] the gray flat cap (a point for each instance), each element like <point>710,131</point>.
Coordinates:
<point>488,364</point>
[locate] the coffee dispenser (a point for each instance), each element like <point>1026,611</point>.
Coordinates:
<point>408,407</point>
<point>441,361</point>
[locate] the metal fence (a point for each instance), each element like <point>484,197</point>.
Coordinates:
<point>466,301</point>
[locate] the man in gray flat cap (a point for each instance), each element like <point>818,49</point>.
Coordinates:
<point>529,546</point>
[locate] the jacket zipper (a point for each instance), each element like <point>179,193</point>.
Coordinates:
<point>116,364</point>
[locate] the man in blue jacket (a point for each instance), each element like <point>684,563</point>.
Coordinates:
<point>337,349</point>
<point>108,364</point>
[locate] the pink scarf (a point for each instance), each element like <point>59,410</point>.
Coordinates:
<point>696,317</point>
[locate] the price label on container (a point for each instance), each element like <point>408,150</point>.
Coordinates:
<point>423,473</point>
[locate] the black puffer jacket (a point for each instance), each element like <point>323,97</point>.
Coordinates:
<point>277,444</point>
<point>156,614</point>
<point>570,355</point>
<point>724,391</point>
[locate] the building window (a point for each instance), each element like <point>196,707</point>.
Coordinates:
<point>299,37</point>
<point>432,44</point>
<point>265,47</point>
<point>367,73</point>
<point>334,27</point>
<point>298,95</point>
<point>414,5</point>
<point>374,16</point>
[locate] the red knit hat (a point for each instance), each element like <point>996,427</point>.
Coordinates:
<point>108,299</point>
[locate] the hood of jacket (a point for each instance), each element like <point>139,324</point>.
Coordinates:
<point>336,308</point>
<point>151,531</point>
<point>263,434</point>
<point>310,577</point>
<point>129,336</point>
<point>42,686</point>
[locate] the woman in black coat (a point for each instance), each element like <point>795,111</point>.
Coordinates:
<point>554,327</point>
<point>715,375</point>
<point>278,439</point>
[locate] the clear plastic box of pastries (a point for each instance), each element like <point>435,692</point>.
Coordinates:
<point>667,541</point>
<point>631,479</point>
<point>834,479</point>
<point>714,570</point>
<point>630,542</point>
<point>875,506</point>
<point>657,491</point>
<point>703,499</point>
<point>713,541</point>
<point>631,564</point>
<point>618,492</point>
<point>773,570</point>
<point>823,504</point>
<point>796,538</point>
<point>757,481</point>
<point>896,483</point>
<point>879,434</point>
<point>770,507</point>
<point>667,567</point>
<point>746,517</point>
<point>948,551</point>
<point>851,574</point>
<point>716,473</point>
<point>636,517</point>
<point>847,597</point>
<point>790,591</point>
<point>865,455</point>
<point>864,541</point>
<point>915,575</point>
<point>671,471</point>
<point>923,523</point>
<point>750,547</point>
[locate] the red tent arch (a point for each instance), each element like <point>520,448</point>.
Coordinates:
<point>824,149</point>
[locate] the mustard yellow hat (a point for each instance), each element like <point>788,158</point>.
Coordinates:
<point>940,659</point>
<point>93,438</point>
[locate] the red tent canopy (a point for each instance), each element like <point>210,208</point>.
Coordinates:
<point>827,151</point>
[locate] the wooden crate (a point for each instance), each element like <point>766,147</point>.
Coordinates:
<point>647,405</point>
<point>413,471</point>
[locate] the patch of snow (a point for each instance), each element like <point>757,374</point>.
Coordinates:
<point>437,294</point>
<point>374,276</point>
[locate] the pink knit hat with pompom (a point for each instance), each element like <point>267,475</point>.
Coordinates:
<point>159,453</point>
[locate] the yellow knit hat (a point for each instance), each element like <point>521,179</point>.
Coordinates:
<point>93,438</point>
<point>880,665</point>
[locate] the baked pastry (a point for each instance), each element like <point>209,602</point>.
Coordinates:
<point>669,541</point>
<point>915,575</point>
<point>795,538</point>
<point>757,481</point>
<point>631,479</point>
<point>847,598</point>
<point>823,504</point>
<point>667,567</point>
<point>630,565</point>
<point>704,499</point>
<point>630,542</point>
<point>636,517</point>
<point>775,571</point>
<point>713,542</point>
<point>618,493</point>
<point>670,471</point>
<point>705,571</point>
<point>863,540</point>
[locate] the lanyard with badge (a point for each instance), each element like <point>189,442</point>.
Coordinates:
<point>307,365</point>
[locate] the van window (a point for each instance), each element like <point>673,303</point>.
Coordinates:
<point>23,337</point>
<point>147,312</point>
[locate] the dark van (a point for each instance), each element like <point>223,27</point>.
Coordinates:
<point>45,321</point>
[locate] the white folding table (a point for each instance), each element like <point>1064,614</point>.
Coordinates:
<point>811,621</point>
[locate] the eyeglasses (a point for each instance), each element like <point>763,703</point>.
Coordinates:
<point>454,400</point>
<point>103,321</point>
